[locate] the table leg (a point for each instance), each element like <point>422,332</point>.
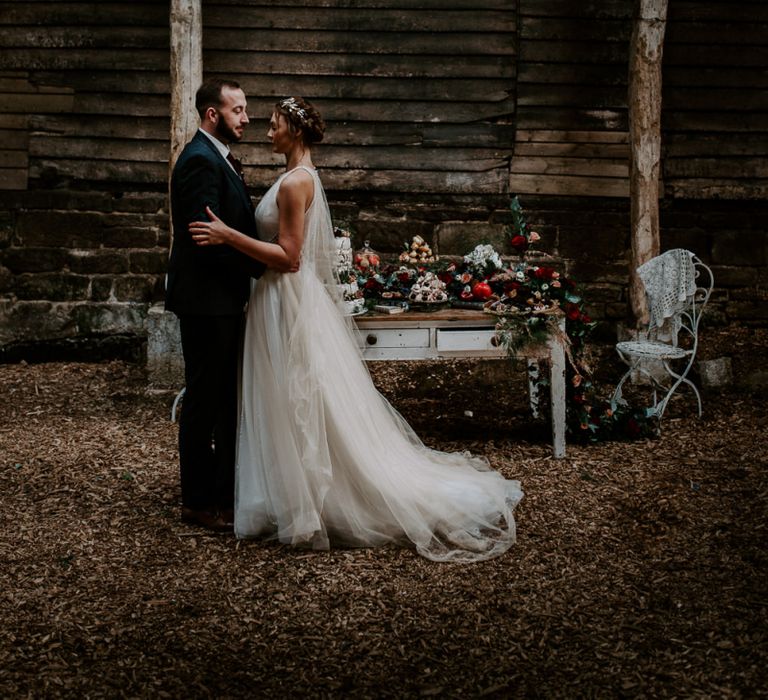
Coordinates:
<point>557,394</point>
<point>533,385</point>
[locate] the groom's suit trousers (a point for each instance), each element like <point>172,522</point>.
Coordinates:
<point>211,347</point>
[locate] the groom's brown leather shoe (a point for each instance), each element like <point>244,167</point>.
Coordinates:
<point>205,518</point>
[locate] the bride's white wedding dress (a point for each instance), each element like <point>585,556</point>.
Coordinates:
<point>322,457</point>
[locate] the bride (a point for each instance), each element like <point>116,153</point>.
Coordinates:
<point>322,457</point>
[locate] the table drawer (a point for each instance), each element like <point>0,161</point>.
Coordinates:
<point>465,340</point>
<point>394,338</point>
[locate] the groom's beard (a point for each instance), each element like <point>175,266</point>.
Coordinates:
<point>226,134</point>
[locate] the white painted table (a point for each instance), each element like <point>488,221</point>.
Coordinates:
<point>458,333</point>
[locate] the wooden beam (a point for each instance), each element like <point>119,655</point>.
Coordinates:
<point>186,72</point>
<point>645,141</point>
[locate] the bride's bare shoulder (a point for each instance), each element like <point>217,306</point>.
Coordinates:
<point>296,183</point>
<point>297,177</point>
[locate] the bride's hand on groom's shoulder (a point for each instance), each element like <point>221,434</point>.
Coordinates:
<point>213,232</point>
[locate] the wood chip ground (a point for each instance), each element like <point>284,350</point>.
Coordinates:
<point>640,568</point>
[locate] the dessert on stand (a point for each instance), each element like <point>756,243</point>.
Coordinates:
<point>418,253</point>
<point>428,291</point>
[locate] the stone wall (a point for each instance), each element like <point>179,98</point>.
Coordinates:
<point>78,271</point>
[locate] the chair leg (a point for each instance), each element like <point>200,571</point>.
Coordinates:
<point>176,401</point>
<point>657,407</point>
<point>616,398</point>
<point>679,379</point>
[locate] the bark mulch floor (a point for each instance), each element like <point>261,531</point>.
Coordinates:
<point>640,568</point>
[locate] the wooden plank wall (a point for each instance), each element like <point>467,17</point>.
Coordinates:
<point>715,96</point>
<point>421,96</point>
<point>571,134</point>
<point>85,88</point>
<point>418,95</point>
<point>20,98</point>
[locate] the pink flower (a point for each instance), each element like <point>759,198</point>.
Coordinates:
<point>533,237</point>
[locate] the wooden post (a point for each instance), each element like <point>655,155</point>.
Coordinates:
<point>186,73</point>
<point>645,139</point>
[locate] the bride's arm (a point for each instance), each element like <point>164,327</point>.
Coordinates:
<point>284,255</point>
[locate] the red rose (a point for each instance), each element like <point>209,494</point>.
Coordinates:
<point>544,273</point>
<point>572,312</point>
<point>445,277</point>
<point>403,276</point>
<point>519,242</point>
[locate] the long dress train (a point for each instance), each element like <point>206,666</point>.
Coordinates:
<point>322,456</point>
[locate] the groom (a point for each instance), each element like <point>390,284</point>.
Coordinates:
<point>207,289</point>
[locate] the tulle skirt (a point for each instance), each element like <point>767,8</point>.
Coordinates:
<point>324,459</point>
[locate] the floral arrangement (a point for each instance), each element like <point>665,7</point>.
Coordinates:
<point>520,238</point>
<point>484,260</point>
<point>529,301</point>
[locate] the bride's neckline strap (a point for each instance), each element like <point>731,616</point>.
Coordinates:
<point>300,167</point>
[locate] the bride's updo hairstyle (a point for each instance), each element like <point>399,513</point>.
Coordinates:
<point>302,116</point>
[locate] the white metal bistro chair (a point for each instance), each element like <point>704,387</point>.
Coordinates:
<point>677,287</point>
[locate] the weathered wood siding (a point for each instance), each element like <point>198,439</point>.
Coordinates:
<point>422,97</point>
<point>571,136</point>
<point>418,96</point>
<point>85,88</point>
<point>715,115</point>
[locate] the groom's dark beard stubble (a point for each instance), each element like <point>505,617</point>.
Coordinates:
<point>225,134</point>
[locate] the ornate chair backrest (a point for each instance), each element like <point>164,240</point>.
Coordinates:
<point>677,286</point>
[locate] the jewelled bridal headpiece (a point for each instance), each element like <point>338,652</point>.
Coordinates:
<point>302,115</point>
<point>290,105</point>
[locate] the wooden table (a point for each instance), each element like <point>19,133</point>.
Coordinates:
<point>457,333</point>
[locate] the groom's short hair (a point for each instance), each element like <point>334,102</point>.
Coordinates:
<point>209,93</point>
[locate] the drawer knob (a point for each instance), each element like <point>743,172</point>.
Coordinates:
<point>371,339</point>
<point>495,341</point>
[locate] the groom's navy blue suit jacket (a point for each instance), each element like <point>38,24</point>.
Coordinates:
<point>208,280</point>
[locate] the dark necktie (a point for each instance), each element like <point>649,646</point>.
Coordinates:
<point>237,165</point>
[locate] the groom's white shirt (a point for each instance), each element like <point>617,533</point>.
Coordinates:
<point>220,147</point>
